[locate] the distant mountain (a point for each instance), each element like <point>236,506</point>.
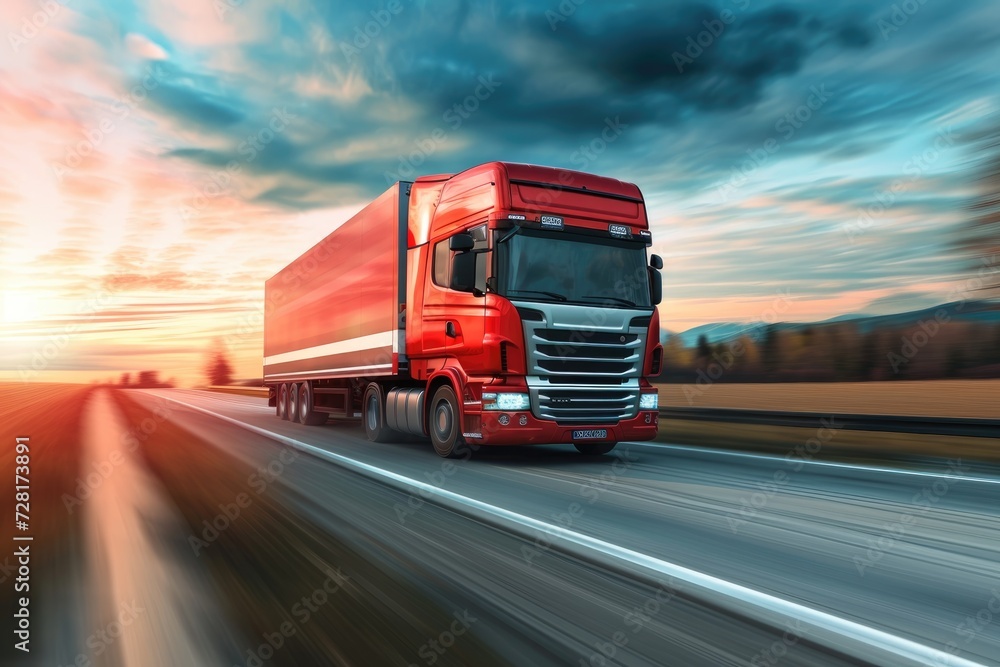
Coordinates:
<point>716,332</point>
<point>967,311</point>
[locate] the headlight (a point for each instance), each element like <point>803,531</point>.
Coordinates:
<point>649,401</point>
<point>507,402</point>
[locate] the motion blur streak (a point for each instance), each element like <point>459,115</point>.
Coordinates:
<point>162,601</point>
<point>831,464</point>
<point>839,634</point>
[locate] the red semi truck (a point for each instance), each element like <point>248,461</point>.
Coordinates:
<point>507,304</point>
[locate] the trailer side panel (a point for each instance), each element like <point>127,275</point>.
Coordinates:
<point>335,311</point>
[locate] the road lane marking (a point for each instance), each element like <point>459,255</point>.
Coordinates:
<point>833,629</point>
<point>829,464</point>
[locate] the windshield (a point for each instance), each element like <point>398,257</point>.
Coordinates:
<point>539,266</point>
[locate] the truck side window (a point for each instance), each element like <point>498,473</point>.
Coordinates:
<point>442,259</point>
<point>442,264</point>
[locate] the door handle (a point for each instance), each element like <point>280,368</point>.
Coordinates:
<point>449,330</point>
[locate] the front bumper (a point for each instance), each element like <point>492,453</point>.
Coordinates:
<point>487,428</point>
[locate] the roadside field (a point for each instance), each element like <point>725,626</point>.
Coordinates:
<point>932,398</point>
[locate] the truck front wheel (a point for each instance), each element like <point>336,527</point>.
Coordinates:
<point>374,415</point>
<point>444,426</point>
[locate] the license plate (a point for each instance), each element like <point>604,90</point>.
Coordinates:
<point>592,434</point>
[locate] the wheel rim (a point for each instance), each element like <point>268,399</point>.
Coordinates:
<point>372,413</point>
<point>303,410</point>
<point>443,420</point>
<point>283,399</point>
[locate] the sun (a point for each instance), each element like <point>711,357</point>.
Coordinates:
<point>17,307</point>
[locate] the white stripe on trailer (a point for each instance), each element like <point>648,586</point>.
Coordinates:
<point>330,371</point>
<point>359,344</point>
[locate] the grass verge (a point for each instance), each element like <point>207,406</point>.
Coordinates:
<point>860,446</point>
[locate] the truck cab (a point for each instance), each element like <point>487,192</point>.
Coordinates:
<point>531,308</point>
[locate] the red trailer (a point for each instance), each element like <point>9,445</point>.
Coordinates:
<point>507,304</point>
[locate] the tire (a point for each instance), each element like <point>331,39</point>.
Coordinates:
<point>444,423</point>
<point>293,402</point>
<point>594,448</point>
<point>306,414</point>
<point>373,415</point>
<point>282,401</point>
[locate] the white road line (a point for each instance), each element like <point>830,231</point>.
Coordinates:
<point>860,638</point>
<point>828,464</point>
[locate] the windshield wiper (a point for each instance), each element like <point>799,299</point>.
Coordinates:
<point>626,302</point>
<point>554,295</point>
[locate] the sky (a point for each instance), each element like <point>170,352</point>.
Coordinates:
<point>160,159</point>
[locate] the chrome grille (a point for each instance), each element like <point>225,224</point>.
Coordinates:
<point>591,405</point>
<point>586,353</point>
<point>580,372</point>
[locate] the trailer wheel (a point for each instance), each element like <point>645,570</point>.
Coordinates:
<point>282,401</point>
<point>306,414</point>
<point>444,427</point>
<point>594,448</point>
<point>293,402</point>
<point>373,415</point>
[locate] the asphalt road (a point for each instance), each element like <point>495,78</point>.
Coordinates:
<point>692,557</point>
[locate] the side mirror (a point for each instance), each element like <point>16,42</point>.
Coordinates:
<point>463,271</point>
<point>461,243</point>
<point>655,286</point>
<point>656,262</point>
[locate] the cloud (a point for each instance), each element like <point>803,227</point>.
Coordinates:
<point>143,47</point>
